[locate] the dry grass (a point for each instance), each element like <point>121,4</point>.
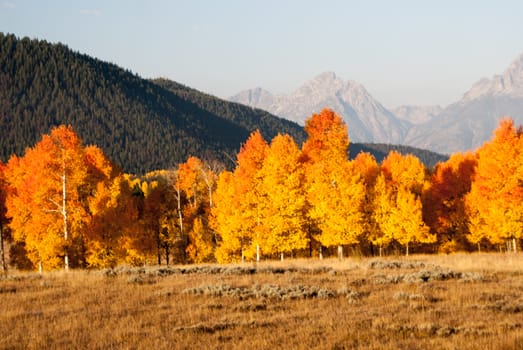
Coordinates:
<point>467,301</point>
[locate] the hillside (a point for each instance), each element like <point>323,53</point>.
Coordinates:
<point>138,124</point>
<point>381,150</point>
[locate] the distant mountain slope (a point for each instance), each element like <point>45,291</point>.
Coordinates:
<point>367,119</point>
<point>246,117</point>
<point>468,123</point>
<point>139,124</point>
<point>416,114</point>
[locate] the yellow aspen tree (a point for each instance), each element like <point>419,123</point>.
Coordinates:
<point>227,220</point>
<point>282,208</point>
<point>200,250</point>
<point>381,232</point>
<point>405,178</point>
<point>337,208</point>
<point>160,219</point>
<point>406,221</point>
<point>323,152</point>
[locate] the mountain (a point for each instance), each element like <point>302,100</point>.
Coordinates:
<point>367,119</point>
<point>140,124</point>
<point>463,125</point>
<point>468,123</point>
<point>257,98</point>
<point>416,114</point>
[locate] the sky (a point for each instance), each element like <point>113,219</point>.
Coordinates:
<point>403,52</point>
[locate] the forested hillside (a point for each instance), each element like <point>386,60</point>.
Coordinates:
<point>381,150</point>
<point>140,124</point>
<point>137,123</point>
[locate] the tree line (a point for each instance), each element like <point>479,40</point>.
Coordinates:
<point>65,205</point>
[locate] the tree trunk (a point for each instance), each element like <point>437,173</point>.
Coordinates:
<point>257,253</point>
<point>407,250</point>
<point>2,251</point>
<point>64,214</point>
<point>479,247</point>
<point>180,220</point>
<point>321,253</point>
<point>340,252</point>
<point>514,245</point>
<point>380,251</point>
<point>281,256</point>
<point>40,267</point>
<point>159,249</point>
<point>310,240</point>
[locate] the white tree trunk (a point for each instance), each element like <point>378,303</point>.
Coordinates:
<point>64,214</point>
<point>180,216</point>
<point>340,252</point>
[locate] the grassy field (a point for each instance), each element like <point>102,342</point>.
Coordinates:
<point>469,301</point>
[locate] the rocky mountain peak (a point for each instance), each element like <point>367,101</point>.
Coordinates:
<point>509,83</point>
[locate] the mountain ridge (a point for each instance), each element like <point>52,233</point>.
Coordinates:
<point>367,119</point>
<point>461,126</point>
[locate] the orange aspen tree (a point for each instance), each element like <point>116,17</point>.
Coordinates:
<point>366,166</point>
<point>282,208</point>
<point>495,201</point>
<point>46,202</point>
<point>444,201</point>
<point>196,181</point>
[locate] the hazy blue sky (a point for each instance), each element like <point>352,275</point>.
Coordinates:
<point>403,52</point>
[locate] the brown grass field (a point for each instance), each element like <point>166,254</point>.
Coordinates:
<point>460,301</point>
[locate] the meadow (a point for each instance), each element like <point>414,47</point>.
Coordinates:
<point>456,301</point>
